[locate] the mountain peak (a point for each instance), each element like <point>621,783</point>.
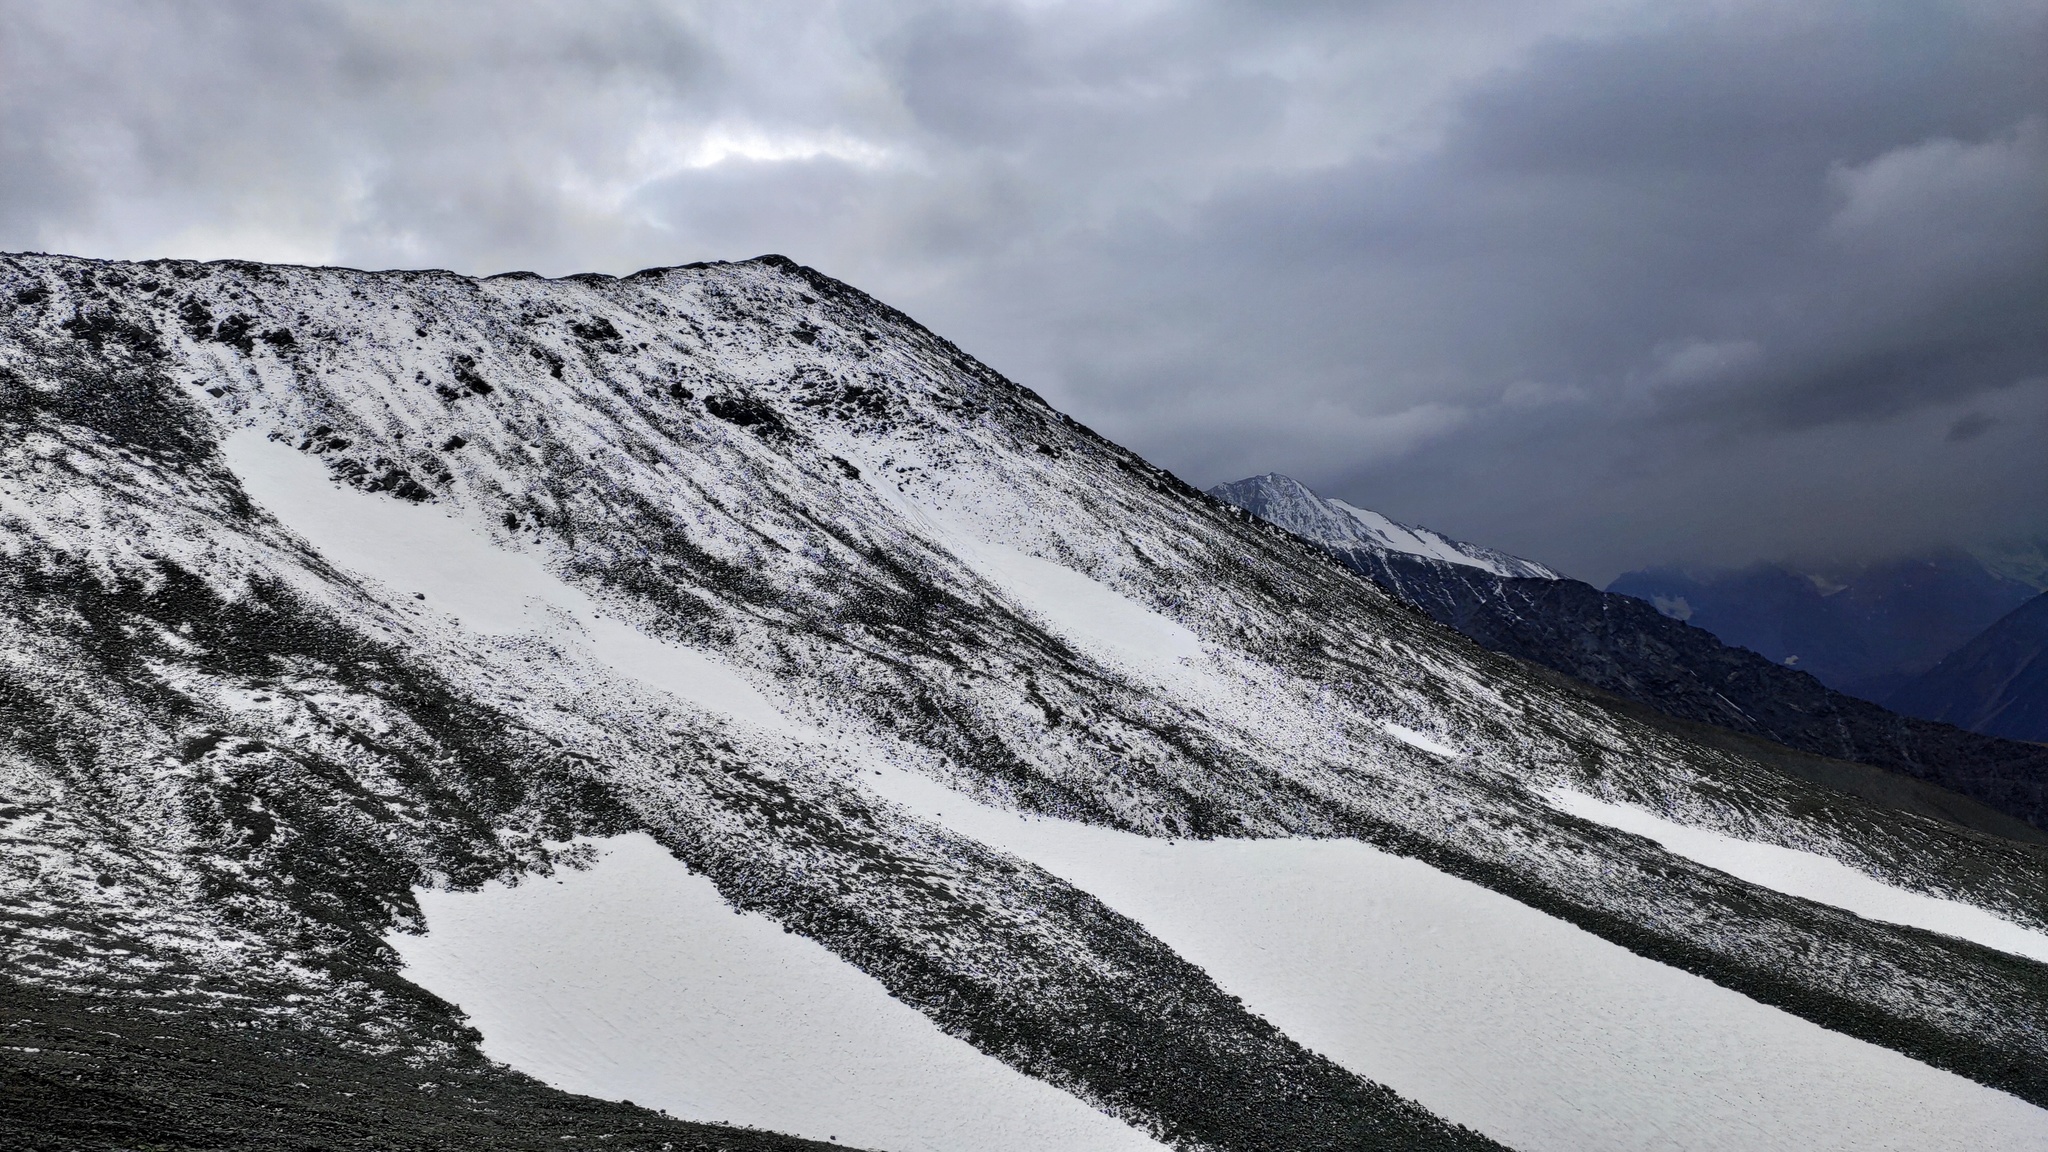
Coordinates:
<point>1339,526</point>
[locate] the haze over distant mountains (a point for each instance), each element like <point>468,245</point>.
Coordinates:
<point>1875,632</point>
<point>1997,683</point>
<point>1865,630</point>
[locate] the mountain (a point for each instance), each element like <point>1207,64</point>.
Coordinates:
<point>1864,631</point>
<point>2016,558</point>
<point>1624,646</point>
<point>436,710</point>
<point>1996,684</point>
<point>1346,531</point>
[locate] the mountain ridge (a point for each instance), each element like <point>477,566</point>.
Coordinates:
<point>1626,646</point>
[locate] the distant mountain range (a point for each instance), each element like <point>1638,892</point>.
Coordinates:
<point>1624,645</point>
<point>1865,631</point>
<point>1997,683</point>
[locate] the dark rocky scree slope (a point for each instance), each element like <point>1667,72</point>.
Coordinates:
<point>1997,683</point>
<point>1625,646</point>
<point>122,1074</point>
<point>226,763</point>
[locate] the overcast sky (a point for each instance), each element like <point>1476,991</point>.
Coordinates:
<point>1602,282</point>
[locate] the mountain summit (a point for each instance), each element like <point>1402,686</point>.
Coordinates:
<point>1344,528</point>
<point>739,700</point>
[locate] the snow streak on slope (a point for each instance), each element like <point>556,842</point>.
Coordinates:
<point>1096,620</point>
<point>1492,1014</point>
<point>1809,876</point>
<point>1422,740</point>
<point>1332,523</point>
<point>635,980</point>
<point>1082,610</point>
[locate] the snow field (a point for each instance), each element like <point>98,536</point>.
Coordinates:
<point>1490,1013</point>
<point>1082,609</point>
<point>1094,617</point>
<point>635,980</point>
<point>1809,876</point>
<point>1112,628</point>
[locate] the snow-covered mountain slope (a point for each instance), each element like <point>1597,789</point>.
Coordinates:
<point>327,589</point>
<point>1341,527</point>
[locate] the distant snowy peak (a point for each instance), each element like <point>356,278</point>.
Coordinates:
<point>1290,504</point>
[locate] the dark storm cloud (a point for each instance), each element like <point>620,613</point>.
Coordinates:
<point>1608,283</point>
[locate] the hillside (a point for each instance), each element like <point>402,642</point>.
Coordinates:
<point>333,598</point>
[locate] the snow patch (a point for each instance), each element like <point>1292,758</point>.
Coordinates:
<point>636,980</point>
<point>1490,1013</point>
<point>1808,876</point>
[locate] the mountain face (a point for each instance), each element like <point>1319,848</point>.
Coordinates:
<point>2016,558</point>
<point>1864,632</point>
<point>1996,684</point>
<point>1346,531</point>
<point>334,599</point>
<point>1625,646</point>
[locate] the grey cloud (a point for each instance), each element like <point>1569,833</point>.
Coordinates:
<point>1969,427</point>
<point>1606,283</point>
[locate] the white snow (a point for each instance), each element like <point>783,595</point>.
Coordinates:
<point>427,549</point>
<point>1422,740</point>
<point>1490,1013</point>
<point>1809,876</point>
<point>1417,541</point>
<point>1080,609</point>
<point>1479,1007</point>
<point>635,980</point>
